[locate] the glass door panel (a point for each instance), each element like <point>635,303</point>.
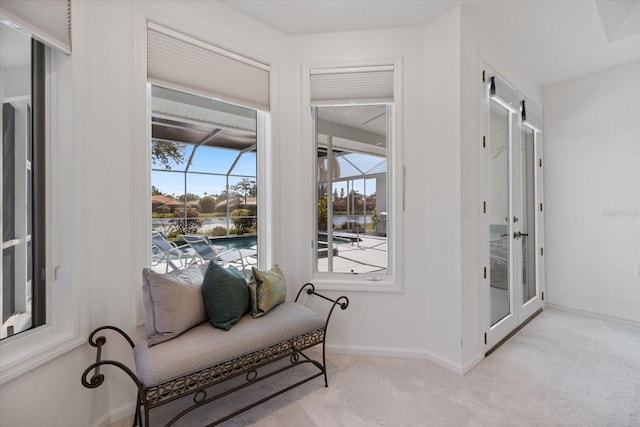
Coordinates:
<point>528,233</point>
<point>499,274</point>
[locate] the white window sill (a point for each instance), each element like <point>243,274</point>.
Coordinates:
<point>28,350</point>
<point>347,282</point>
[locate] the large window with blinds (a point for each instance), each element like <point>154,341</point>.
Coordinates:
<point>208,113</point>
<point>356,209</point>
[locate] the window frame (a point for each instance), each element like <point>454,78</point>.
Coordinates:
<point>142,153</point>
<point>66,321</point>
<point>391,282</point>
<point>263,182</point>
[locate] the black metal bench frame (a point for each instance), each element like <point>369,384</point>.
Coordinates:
<point>196,383</point>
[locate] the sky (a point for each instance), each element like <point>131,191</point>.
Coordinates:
<point>212,160</point>
<point>220,160</point>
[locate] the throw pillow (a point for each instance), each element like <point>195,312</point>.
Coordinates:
<point>267,290</point>
<point>172,303</point>
<point>226,296</point>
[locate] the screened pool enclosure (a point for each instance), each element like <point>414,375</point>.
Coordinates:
<point>203,172</point>
<point>351,188</point>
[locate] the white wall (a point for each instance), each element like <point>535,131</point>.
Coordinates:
<point>110,196</point>
<point>477,52</point>
<point>440,302</point>
<point>592,176</point>
<point>423,320</point>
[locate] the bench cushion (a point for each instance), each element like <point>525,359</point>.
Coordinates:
<point>204,346</point>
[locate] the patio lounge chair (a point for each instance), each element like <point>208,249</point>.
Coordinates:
<point>206,252</point>
<point>168,251</point>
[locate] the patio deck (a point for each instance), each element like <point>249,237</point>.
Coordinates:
<point>369,255</point>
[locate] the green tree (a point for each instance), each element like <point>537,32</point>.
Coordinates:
<point>207,204</point>
<point>322,214</point>
<point>189,197</point>
<point>242,220</point>
<point>189,225</point>
<point>245,188</point>
<point>163,152</point>
<point>155,191</point>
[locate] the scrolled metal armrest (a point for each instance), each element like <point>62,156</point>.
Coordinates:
<point>97,378</point>
<point>310,289</point>
<point>101,340</point>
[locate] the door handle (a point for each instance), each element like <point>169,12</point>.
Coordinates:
<point>517,235</point>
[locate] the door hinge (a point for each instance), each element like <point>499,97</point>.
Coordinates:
<point>541,251</point>
<point>540,162</point>
<point>483,76</point>
<point>542,295</point>
<point>484,141</point>
<point>485,338</point>
<point>484,207</point>
<point>540,207</point>
<point>485,272</point>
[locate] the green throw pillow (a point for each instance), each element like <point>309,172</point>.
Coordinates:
<point>267,289</point>
<point>226,296</point>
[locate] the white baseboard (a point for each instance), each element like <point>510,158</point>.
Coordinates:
<point>119,417</point>
<point>592,314</point>
<point>397,352</point>
<point>472,363</point>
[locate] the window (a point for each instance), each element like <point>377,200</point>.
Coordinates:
<point>209,144</point>
<point>39,225</point>
<point>357,204</point>
<point>204,173</point>
<point>23,187</point>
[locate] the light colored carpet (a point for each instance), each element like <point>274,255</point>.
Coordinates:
<point>562,369</point>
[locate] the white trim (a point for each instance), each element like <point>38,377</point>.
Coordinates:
<point>404,353</point>
<point>593,315</point>
<point>141,153</point>
<point>468,366</point>
<point>119,417</point>
<point>264,175</point>
<point>392,282</point>
<point>67,318</point>
<point>28,350</point>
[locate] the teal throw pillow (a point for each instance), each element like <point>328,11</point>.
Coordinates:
<point>226,296</point>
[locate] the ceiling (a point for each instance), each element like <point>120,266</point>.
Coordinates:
<point>554,40</point>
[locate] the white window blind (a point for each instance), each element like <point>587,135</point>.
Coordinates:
<point>501,91</point>
<point>183,63</point>
<point>48,21</point>
<point>352,85</point>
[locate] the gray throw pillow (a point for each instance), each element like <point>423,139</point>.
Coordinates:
<point>226,296</point>
<point>172,303</point>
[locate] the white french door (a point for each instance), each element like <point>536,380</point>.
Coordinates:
<point>513,216</point>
